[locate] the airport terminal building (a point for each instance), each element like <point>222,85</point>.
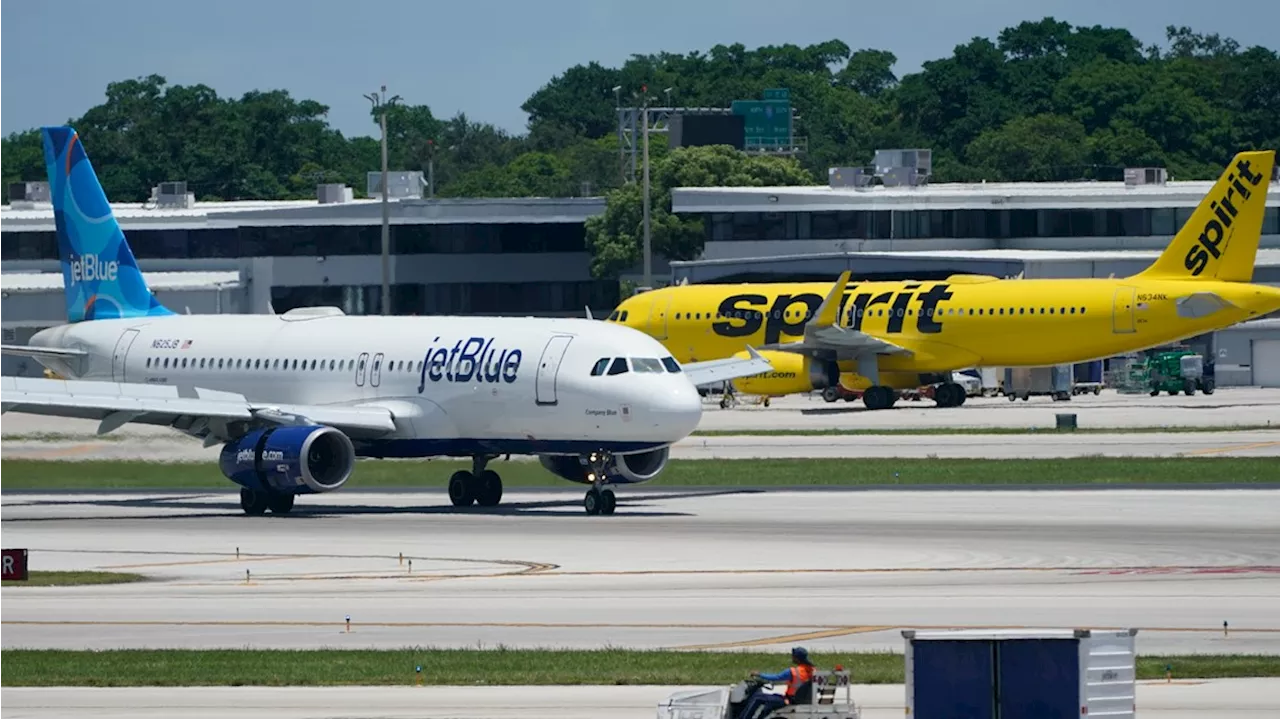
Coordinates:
<point>527,256</point>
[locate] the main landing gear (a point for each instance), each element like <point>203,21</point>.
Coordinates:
<point>256,502</point>
<point>480,485</point>
<point>949,394</point>
<point>879,397</point>
<point>600,499</point>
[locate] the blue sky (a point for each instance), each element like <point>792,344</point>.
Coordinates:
<point>485,57</point>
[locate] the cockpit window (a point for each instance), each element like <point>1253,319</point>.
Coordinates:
<point>623,316</point>
<point>613,316</point>
<point>600,365</point>
<point>619,366</point>
<point>671,364</point>
<point>647,364</point>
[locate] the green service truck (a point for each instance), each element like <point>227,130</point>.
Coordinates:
<point>1179,371</point>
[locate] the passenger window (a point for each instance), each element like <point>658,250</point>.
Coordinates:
<point>979,310</point>
<point>148,362</point>
<point>184,363</point>
<point>1081,310</point>
<point>671,364</point>
<point>598,369</point>
<point>333,364</point>
<point>619,366</point>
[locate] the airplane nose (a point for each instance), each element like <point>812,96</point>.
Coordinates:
<point>678,409</point>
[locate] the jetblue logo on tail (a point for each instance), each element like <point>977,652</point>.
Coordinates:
<point>474,359</point>
<point>1214,235</point>
<point>89,268</point>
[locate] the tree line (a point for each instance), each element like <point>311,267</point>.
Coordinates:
<point>1043,100</point>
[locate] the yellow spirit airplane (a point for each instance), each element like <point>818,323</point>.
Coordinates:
<point>883,336</point>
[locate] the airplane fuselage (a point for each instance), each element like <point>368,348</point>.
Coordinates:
<point>961,322</point>
<point>455,385</point>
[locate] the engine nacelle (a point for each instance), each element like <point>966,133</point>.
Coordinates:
<point>622,468</point>
<point>791,374</point>
<point>290,460</point>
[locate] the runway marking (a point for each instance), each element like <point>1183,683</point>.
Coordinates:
<point>1222,450</point>
<point>195,562</point>
<point>787,638</point>
<point>811,629</point>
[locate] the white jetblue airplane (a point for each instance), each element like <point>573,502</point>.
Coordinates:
<point>295,398</point>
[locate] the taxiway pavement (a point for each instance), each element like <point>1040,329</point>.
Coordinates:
<point>676,569</point>
<point>1231,698</point>
<point>28,436</point>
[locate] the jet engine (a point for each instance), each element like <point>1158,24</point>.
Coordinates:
<point>622,468</point>
<point>791,374</point>
<point>289,460</point>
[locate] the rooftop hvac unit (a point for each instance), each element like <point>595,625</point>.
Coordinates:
<point>28,192</point>
<point>172,194</point>
<point>849,177</point>
<point>904,167</point>
<point>401,184</point>
<point>1134,176</point>
<point>334,193</point>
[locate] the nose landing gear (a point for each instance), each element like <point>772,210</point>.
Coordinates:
<point>600,499</point>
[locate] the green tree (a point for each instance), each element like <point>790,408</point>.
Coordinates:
<point>616,238</point>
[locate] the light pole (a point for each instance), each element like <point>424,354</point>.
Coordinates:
<point>380,104</point>
<point>648,258</point>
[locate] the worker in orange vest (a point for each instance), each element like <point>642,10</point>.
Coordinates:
<point>799,680</point>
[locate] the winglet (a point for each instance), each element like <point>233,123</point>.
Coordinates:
<point>829,311</point>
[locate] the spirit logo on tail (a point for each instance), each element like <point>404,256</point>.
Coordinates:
<point>473,359</point>
<point>1214,237</point>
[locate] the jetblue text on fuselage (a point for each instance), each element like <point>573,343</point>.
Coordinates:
<point>1210,242</point>
<point>474,359</point>
<point>88,268</point>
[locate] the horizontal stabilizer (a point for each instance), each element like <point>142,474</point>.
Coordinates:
<point>52,352</point>
<point>1201,304</point>
<point>723,370</point>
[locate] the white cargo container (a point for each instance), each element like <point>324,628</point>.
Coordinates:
<point>1048,673</point>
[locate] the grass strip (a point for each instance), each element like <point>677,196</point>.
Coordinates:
<point>72,579</point>
<point>27,474</point>
<point>140,475</point>
<point>183,667</point>
<point>968,431</point>
<point>762,432</point>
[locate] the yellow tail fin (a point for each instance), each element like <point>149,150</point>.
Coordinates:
<point>1220,241</point>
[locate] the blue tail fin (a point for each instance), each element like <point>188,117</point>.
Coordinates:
<point>99,272</point>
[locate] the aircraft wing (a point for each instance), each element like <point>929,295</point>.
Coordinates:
<point>29,351</point>
<point>117,403</point>
<point>823,335</point>
<point>712,371</point>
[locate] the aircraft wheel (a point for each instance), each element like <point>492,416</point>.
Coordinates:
<point>253,502</point>
<point>608,501</point>
<point>280,503</point>
<point>592,501</point>
<point>830,394</point>
<point>488,488</point>
<point>1207,388</point>
<point>460,489</point>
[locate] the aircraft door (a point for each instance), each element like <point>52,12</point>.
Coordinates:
<point>375,372</point>
<point>549,368</point>
<point>121,353</point>
<point>1123,309</point>
<point>658,312</point>
<point>362,367</point>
